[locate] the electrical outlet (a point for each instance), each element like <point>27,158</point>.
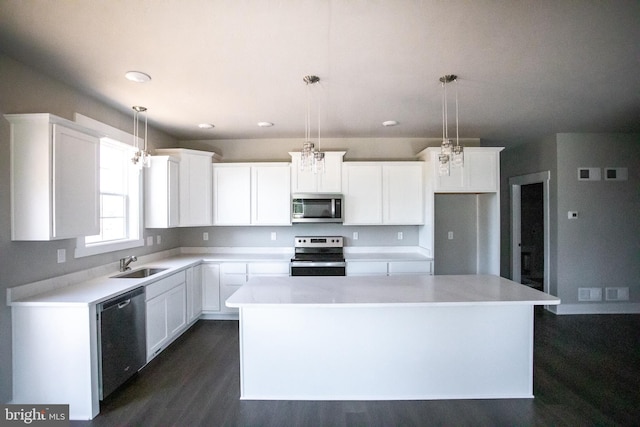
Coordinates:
<point>355,235</point>
<point>62,256</point>
<point>205,236</point>
<point>450,235</point>
<point>572,214</point>
<point>616,294</point>
<point>158,239</point>
<point>400,235</point>
<point>149,240</point>
<point>589,294</point>
<point>273,235</point>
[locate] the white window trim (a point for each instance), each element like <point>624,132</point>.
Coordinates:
<point>82,250</point>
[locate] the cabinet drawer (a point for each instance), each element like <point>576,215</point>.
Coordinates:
<point>268,269</point>
<point>163,285</point>
<point>233,268</point>
<point>375,268</point>
<point>410,267</point>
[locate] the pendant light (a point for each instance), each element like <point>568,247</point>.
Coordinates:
<point>451,155</point>
<point>141,158</point>
<point>311,158</point>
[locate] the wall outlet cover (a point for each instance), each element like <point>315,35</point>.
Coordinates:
<point>617,294</point>
<point>589,294</point>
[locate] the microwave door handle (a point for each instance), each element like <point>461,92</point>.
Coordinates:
<point>333,208</point>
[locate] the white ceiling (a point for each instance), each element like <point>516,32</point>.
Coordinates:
<point>527,69</point>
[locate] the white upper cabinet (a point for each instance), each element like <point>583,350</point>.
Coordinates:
<point>362,188</point>
<point>231,194</point>
<point>271,194</point>
<point>252,194</point>
<point>480,173</point>
<point>389,193</point>
<point>403,193</point>
<point>55,178</point>
<point>162,193</point>
<point>195,185</point>
<point>306,181</point>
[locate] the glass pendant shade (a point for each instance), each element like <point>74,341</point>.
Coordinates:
<point>451,155</point>
<point>141,157</point>
<point>310,158</point>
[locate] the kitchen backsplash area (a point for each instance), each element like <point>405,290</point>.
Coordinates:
<point>370,236</point>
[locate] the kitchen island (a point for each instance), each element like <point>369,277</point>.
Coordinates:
<point>386,338</point>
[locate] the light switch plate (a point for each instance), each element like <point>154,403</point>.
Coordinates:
<point>62,256</point>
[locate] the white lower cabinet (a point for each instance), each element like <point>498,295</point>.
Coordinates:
<point>166,312</point>
<point>410,267</point>
<point>235,274</point>
<point>195,291</point>
<point>388,268</point>
<point>367,268</point>
<point>232,276</point>
<point>210,288</point>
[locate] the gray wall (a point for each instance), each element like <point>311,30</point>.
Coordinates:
<point>261,236</point>
<point>24,90</point>
<point>456,213</point>
<point>526,159</point>
<point>602,247</point>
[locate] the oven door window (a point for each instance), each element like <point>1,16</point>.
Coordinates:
<point>318,271</point>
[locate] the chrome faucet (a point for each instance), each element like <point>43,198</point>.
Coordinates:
<point>124,262</point>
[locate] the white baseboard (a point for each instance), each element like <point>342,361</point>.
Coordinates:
<point>591,308</point>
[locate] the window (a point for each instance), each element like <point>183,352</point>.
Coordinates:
<point>120,202</point>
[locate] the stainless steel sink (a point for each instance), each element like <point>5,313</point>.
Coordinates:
<point>139,273</point>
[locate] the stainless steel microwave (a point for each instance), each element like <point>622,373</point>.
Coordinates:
<point>317,207</point>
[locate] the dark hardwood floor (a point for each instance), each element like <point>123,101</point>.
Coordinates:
<point>586,373</point>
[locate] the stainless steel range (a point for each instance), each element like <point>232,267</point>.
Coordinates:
<point>318,256</point>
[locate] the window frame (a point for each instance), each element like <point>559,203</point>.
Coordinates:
<point>135,223</point>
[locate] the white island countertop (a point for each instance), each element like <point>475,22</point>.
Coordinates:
<point>420,290</point>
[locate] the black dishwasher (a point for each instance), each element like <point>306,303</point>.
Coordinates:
<point>121,339</point>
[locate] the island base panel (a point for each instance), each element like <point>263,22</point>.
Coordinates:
<point>386,353</point>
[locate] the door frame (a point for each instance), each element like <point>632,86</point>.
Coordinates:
<point>515,184</point>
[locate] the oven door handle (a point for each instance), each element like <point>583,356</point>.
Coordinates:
<point>318,264</point>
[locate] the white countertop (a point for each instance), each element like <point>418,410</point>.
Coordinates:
<point>404,290</point>
<point>91,288</point>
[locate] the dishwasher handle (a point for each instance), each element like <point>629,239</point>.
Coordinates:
<point>120,301</point>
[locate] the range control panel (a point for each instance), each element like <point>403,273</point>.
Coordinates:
<point>319,241</point>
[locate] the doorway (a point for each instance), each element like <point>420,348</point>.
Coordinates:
<point>530,230</point>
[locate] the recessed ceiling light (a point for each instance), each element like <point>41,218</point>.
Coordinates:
<point>265,124</point>
<point>137,76</point>
<point>390,123</point>
<point>206,126</point>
